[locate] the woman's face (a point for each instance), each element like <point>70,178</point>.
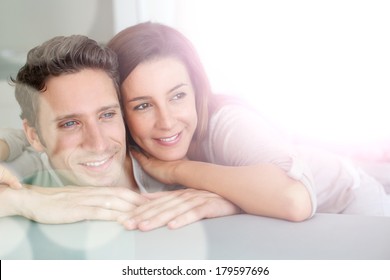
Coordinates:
<point>159,102</point>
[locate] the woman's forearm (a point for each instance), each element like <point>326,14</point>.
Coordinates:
<point>262,189</point>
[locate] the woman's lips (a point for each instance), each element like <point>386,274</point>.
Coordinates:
<point>169,141</point>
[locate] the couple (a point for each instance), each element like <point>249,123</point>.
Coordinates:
<point>192,154</point>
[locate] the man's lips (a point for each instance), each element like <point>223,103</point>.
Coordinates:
<point>98,163</point>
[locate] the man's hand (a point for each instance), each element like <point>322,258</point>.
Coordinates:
<point>176,209</point>
<point>69,204</point>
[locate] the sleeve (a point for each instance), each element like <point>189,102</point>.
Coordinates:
<point>16,140</point>
<point>26,165</point>
<point>240,136</point>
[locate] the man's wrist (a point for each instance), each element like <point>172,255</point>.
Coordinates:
<point>4,150</point>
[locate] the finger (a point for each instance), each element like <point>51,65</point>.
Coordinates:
<point>188,217</point>
<point>161,201</point>
<point>156,195</point>
<point>165,213</point>
<point>207,210</point>
<point>161,212</point>
<point>159,204</point>
<point>6,177</point>
<point>130,196</point>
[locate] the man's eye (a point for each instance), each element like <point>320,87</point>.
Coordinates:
<point>68,124</point>
<point>109,115</point>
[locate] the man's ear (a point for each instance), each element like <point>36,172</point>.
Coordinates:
<point>32,137</point>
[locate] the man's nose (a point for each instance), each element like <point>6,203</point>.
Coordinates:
<point>94,138</point>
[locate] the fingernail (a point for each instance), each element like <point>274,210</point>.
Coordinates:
<point>172,224</point>
<point>129,224</point>
<point>145,225</point>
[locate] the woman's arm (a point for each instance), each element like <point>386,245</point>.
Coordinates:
<point>262,189</point>
<point>247,162</point>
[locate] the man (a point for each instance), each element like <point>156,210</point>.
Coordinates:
<point>69,96</point>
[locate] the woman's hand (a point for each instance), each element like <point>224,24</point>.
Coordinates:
<point>176,209</point>
<point>7,178</point>
<point>162,171</point>
<point>68,204</point>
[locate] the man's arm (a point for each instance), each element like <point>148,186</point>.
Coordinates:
<point>12,143</point>
<point>4,150</point>
<point>7,178</point>
<point>68,204</point>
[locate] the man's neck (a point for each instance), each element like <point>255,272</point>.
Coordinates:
<point>127,180</point>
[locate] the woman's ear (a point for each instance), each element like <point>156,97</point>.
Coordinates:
<point>32,137</point>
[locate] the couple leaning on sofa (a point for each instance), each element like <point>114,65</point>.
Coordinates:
<point>137,126</point>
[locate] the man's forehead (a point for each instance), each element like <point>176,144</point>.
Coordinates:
<point>55,109</point>
<point>79,93</point>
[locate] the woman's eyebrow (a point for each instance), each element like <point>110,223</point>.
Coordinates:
<point>138,98</point>
<point>146,97</point>
<point>176,87</point>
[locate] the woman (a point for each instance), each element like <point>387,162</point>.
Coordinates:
<point>191,137</point>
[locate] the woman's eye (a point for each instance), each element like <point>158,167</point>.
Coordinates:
<point>142,106</point>
<point>179,95</point>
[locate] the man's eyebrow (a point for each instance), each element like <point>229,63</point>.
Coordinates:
<point>145,97</point>
<point>113,106</point>
<point>76,115</point>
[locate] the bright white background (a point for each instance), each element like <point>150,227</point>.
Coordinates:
<point>320,69</point>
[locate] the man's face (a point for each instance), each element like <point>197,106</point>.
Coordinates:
<point>81,128</point>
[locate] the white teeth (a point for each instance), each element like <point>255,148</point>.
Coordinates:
<point>169,139</point>
<point>95,163</point>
